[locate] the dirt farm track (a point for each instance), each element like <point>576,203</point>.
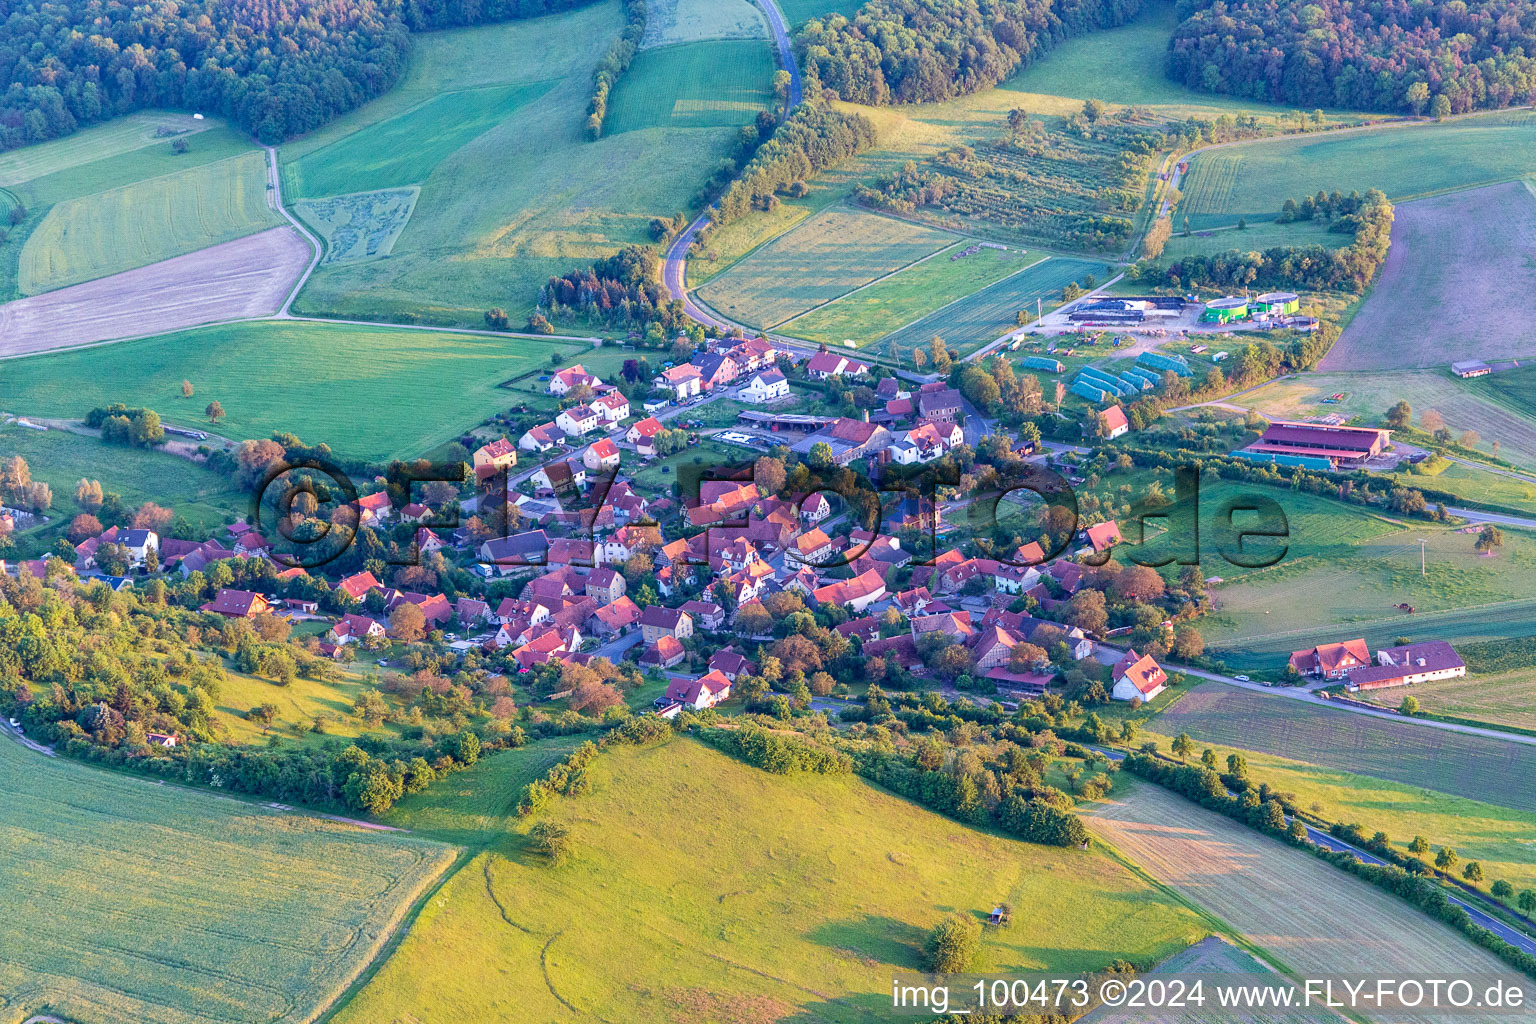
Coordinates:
<point>1454,285</point>
<point>248,277</point>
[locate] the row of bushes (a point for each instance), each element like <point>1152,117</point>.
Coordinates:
<point>1205,787</point>
<point>775,752</point>
<point>613,65</point>
<point>568,777</point>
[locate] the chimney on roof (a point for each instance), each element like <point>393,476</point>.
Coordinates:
<point>866,415</point>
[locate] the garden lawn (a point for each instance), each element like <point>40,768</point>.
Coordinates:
<point>866,315</point>
<point>1253,179</point>
<point>816,890</point>
<point>368,392</point>
<point>60,459</point>
<point>128,900</point>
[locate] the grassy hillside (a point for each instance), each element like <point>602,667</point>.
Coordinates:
<point>368,392</point>
<point>181,907</point>
<point>518,195</point>
<point>718,83</point>
<point>703,889</point>
<point>1253,179</point>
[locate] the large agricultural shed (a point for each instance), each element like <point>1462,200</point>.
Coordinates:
<point>1316,445</point>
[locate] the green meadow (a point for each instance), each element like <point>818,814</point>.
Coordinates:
<point>709,84</point>
<point>368,392</point>
<point>703,889</point>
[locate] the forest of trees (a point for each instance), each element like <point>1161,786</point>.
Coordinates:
<point>1439,58</point>
<point>275,70</point>
<point>914,51</point>
<point>623,290</point>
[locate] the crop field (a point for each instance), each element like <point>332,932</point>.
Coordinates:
<point>524,200</point>
<point>710,84</point>
<point>248,277</point>
<point>829,255</point>
<point>1499,837</point>
<point>175,906</point>
<point>1457,764</point>
<point>359,226</point>
<point>152,220</point>
<point>1344,579</point>
<point>98,142</point>
<point>404,149</point>
<point>687,21</point>
<point>1498,407</point>
<point>1310,916</point>
<point>629,927</point>
<point>868,314</point>
<point>60,459</point>
<point>1253,179</point>
<point>1444,291</point>
<point>990,313</point>
<point>353,388</point>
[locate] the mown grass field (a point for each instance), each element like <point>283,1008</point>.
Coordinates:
<point>116,155</point>
<point>1498,407</point>
<point>1444,290</point>
<point>1255,237</point>
<point>825,257</point>
<point>151,220</point>
<point>1506,698</point>
<point>299,706</point>
<point>699,888</point>
<point>870,313</point>
<point>1456,764</point>
<point>61,459</point>
<point>362,390</point>
<point>990,313</point>
<point>404,149</point>
<point>708,84</point>
<point>524,199</point>
<point>1478,485</point>
<point>1306,914</point>
<point>1252,179</point>
<point>1499,837</point>
<point>687,21</point>
<point>128,900</point>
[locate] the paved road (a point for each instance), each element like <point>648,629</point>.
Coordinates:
<point>614,649</point>
<point>26,741</point>
<point>275,179</point>
<point>786,52</point>
<point>1472,515</point>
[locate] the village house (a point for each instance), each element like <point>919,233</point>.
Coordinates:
<point>354,629</point>
<point>824,365</point>
<point>1112,423</point>
<point>1332,661</point>
<point>611,407</point>
<point>577,420</point>
<point>730,663</point>
<point>643,436</point>
<point>683,381</point>
<point>1102,536</point>
<point>601,455</point>
<point>812,547</point>
<point>559,477</point>
<point>374,508</point>
<point>604,585</point>
<point>238,604</point>
<point>503,555</point>
<point>657,621</point>
<point>856,594</point>
<point>939,403</point>
<point>139,544</point>
<point>615,617</point>
<point>572,377</point>
<point>493,458</point>
<point>698,694</point>
<point>541,438</point>
<point>752,354</point>
<point>765,386</point>
<point>705,614</point>
<point>665,652</point>
<point>815,507</point>
<point>716,369</point>
<point>1138,675</point>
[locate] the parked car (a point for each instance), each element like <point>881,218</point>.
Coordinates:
<point>15,724</point>
<point>1242,679</point>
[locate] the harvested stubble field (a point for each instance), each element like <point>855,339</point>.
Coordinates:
<point>990,313</point>
<point>1449,288</point>
<point>164,905</point>
<point>868,314</point>
<point>1215,956</point>
<point>1498,407</point>
<point>248,277</point>
<point>827,256</point>
<point>1311,917</point>
<point>1252,180</point>
<point>362,390</point>
<point>628,928</point>
<point>1474,767</point>
<point>709,84</point>
<point>152,220</point>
